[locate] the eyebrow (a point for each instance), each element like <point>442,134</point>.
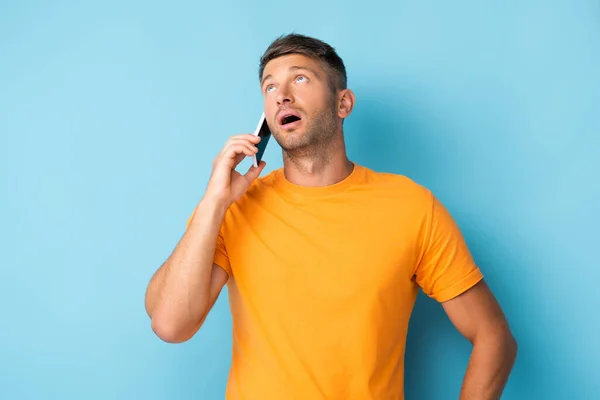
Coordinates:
<point>294,68</point>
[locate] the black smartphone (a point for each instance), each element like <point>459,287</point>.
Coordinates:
<point>264,132</point>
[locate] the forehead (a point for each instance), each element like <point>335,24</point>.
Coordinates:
<point>283,64</point>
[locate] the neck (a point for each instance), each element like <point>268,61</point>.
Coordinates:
<point>326,165</point>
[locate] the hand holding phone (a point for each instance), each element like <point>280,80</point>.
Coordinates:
<point>226,185</point>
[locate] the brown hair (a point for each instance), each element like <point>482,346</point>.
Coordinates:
<point>300,44</point>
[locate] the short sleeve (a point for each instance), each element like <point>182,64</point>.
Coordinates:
<point>446,267</point>
<point>220,257</point>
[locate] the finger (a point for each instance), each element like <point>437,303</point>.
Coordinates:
<point>249,146</point>
<point>254,172</point>
<point>236,149</point>
<point>250,141</point>
<point>244,138</point>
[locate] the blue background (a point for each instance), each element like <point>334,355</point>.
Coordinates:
<point>110,116</point>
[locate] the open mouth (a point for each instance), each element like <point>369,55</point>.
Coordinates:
<point>289,119</point>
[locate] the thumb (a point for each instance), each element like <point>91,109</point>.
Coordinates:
<point>254,172</point>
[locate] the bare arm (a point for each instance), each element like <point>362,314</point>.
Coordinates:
<point>184,289</point>
<point>186,286</point>
<point>478,317</point>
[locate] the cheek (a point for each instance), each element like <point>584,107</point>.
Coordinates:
<point>270,111</point>
<point>268,105</point>
<point>317,99</point>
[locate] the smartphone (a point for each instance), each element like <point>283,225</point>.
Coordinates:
<point>264,132</point>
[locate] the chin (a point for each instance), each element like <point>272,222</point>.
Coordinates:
<point>288,134</point>
<point>290,140</point>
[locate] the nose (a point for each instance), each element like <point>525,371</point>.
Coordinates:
<point>284,95</point>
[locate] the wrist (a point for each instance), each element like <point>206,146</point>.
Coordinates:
<point>213,206</point>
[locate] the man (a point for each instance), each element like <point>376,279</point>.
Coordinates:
<point>323,258</point>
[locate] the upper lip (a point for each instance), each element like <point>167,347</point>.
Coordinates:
<point>286,113</point>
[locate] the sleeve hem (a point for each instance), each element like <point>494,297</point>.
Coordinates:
<point>222,262</point>
<point>459,287</point>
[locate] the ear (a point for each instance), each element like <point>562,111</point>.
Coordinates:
<point>345,102</point>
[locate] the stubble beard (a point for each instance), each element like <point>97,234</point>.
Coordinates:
<point>314,144</point>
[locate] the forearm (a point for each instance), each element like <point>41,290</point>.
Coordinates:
<point>491,361</point>
<point>178,294</point>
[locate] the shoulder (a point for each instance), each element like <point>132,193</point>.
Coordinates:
<point>397,185</point>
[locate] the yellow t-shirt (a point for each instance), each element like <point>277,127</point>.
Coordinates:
<point>323,281</point>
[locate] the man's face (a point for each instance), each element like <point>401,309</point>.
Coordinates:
<point>299,105</point>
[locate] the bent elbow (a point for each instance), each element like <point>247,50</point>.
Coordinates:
<point>506,341</point>
<point>171,332</point>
